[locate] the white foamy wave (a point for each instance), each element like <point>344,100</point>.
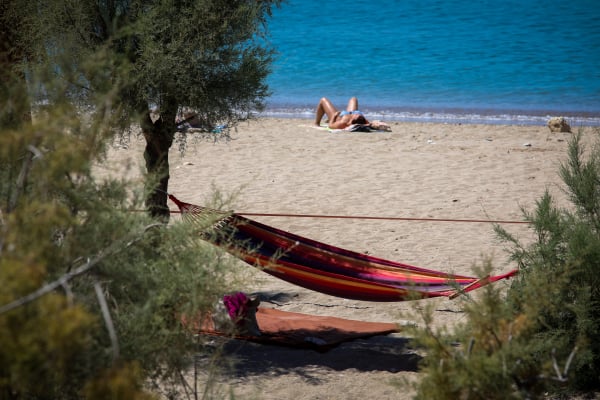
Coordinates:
<point>454,116</point>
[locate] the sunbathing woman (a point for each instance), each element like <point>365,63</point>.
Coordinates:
<point>343,119</point>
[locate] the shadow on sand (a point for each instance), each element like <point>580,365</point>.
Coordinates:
<point>243,359</point>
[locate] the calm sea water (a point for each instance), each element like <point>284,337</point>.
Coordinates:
<point>494,61</point>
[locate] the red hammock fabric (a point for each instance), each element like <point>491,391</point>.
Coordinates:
<point>325,268</point>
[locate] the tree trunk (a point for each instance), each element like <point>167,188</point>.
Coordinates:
<point>159,136</point>
<point>14,98</point>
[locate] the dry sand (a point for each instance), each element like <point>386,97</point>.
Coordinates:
<point>420,170</point>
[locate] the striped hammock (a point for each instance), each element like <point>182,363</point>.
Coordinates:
<point>322,267</point>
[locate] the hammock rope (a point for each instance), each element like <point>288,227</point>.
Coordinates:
<point>491,221</point>
<point>325,268</point>
<point>366,217</point>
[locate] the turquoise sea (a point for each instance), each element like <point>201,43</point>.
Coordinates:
<point>494,61</point>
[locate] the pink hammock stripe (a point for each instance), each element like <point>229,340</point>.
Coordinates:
<point>324,268</point>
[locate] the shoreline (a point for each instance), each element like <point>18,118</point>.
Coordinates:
<point>446,115</point>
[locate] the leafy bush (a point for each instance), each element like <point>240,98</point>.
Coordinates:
<point>543,335</point>
<point>91,292</point>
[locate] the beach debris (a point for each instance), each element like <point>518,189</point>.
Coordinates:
<point>184,164</point>
<point>219,128</point>
<point>558,124</point>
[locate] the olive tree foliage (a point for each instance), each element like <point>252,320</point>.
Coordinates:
<point>540,337</point>
<point>211,56</point>
<point>92,293</point>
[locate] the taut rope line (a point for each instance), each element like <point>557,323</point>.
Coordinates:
<point>251,214</point>
<point>382,218</point>
<point>490,221</point>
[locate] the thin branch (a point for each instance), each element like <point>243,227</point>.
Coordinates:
<point>555,365</point>
<point>68,292</point>
<point>470,348</point>
<point>22,178</point>
<point>569,360</point>
<point>186,386</point>
<point>107,321</point>
<point>560,377</point>
<point>2,226</point>
<point>112,249</point>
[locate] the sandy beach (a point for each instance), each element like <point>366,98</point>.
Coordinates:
<point>419,170</point>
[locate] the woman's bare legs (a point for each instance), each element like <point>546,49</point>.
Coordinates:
<point>325,107</point>
<point>352,104</point>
